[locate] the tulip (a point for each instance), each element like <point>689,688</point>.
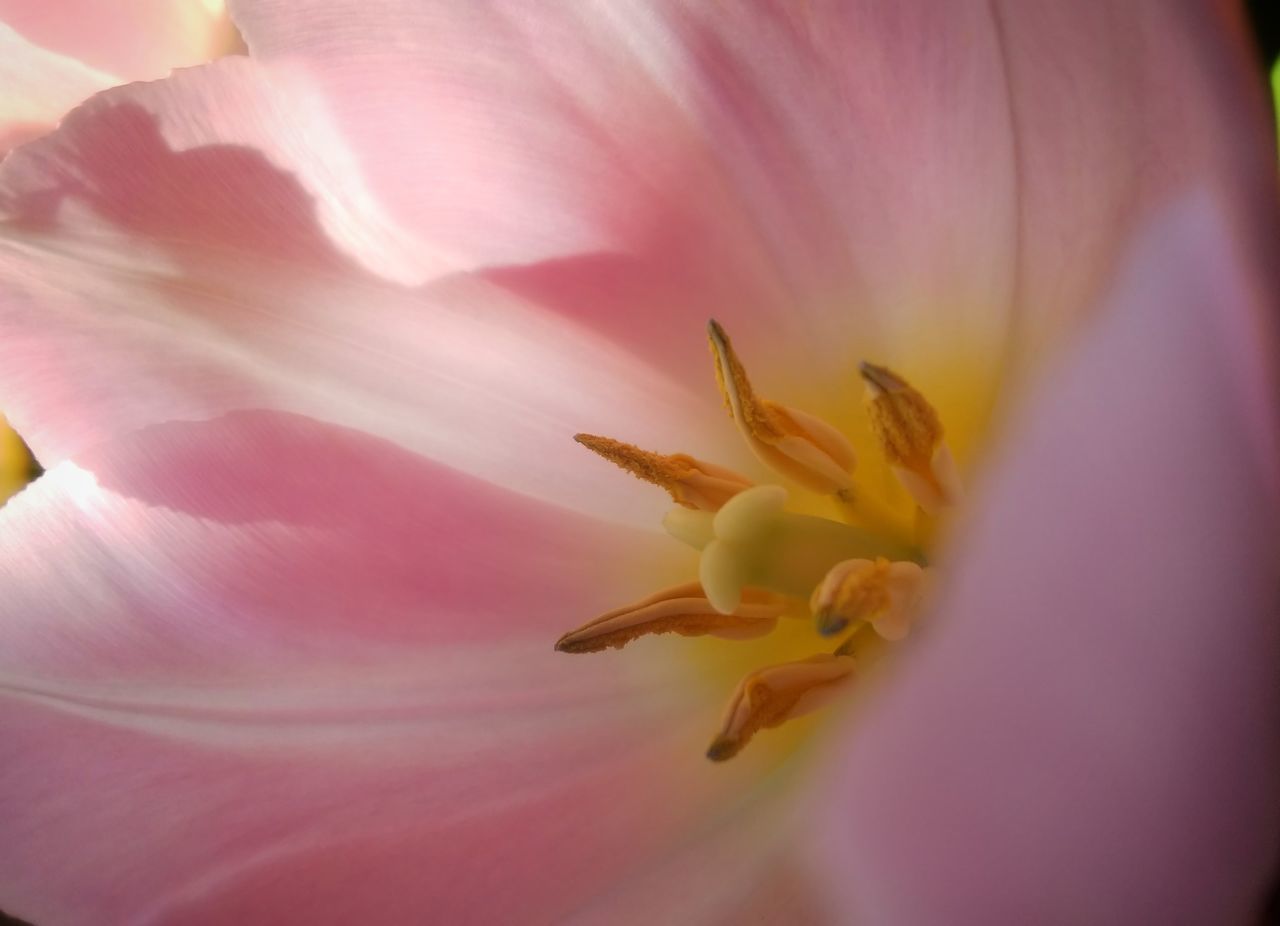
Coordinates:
<point>304,339</point>
<point>54,55</point>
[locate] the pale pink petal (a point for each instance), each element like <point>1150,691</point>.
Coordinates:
<point>798,168</point>
<point>130,39</point>
<point>1117,109</point>
<point>829,178</point>
<point>37,87</point>
<point>1086,731</point>
<point>186,247</point>
<point>264,670</point>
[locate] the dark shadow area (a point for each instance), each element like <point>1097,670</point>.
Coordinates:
<point>218,198</point>
<point>1265,16</point>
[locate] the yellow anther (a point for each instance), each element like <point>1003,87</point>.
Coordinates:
<point>882,593</point>
<point>787,440</point>
<point>911,437</point>
<point>692,483</point>
<point>771,696</point>
<point>905,423</point>
<point>682,609</point>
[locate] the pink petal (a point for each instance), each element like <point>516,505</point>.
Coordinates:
<point>129,39</point>
<point>722,159</point>
<point>310,676</point>
<point>1088,732</point>
<point>192,246</point>
<point>37,87</point>
<point>1117,109</point>
<point>828,178</point>
<point>271,538</point>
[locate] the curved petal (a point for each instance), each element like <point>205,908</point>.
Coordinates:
<point>311,675</point>
<point>1087,734</point>
<point>128,39</point>
<point>37,87</point>
<point>779,163</point>
<point>183,248</point>
<point>829,178</point>
<point>1117,110</point>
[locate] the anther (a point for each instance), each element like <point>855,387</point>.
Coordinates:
<point>911,436</point>
<point>787,440</point>
<point>771,696</point>
<point>879,592</point>
<point>682,609</point>
<point>692,483</point>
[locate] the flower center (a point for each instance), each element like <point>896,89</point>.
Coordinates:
<point>858,577</point>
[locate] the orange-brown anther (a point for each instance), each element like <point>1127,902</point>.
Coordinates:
<point>769,697</point>
<point>759,418</point>
<point>691,482</point>
<point>682,609</point>
<point>882,593</point>
<point>904,422</point>
<point>911,437</point>
<point>853,590</point>
<point>789,441</point>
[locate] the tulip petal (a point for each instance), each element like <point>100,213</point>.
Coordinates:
<point>192,246</point>
<point>311,676</point>
<point>129,39</point>
<point>1086,731</point>
<point>709,159</point>
<point>37,87</point>
<point>929,184</point>
<point>1117,109</point>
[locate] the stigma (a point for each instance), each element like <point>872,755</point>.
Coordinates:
<point>856,575</point>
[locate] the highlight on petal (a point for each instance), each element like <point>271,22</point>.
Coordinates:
<point>685,158</point>
<point>37,87</point>
<point>757,141</point>
<point>1087,732</point>
<point>188,247</point>
<point>289,653</point>
<point>128,39</point>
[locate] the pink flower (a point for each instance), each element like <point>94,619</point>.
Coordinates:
<point>54,55</point>
<point>302,339</point>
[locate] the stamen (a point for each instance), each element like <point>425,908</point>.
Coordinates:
<point>791,442</point>
<point>682,609</point>
<point>879,592</point>
<point>910,434</point>
<point>692,483</point>
<point>768,697</point>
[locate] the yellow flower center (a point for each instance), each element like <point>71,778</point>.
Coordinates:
<point>855,574</point>
<point>17,465</point>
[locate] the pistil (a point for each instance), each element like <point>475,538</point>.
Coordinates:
<point>757,542</point>
<point>860,578</point>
